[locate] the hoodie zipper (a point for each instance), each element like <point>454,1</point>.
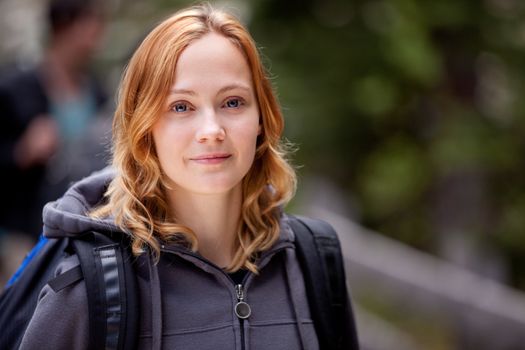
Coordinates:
<point>242,309</point>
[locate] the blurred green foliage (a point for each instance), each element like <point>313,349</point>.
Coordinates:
<point>392,98</point>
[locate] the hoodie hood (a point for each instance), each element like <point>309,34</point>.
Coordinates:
<point>68,216</point>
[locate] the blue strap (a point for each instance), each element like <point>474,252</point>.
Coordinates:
<point>34,252</point>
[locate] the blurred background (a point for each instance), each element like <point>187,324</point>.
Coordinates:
<point>409,119</point>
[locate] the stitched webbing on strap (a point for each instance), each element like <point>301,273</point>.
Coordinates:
<point>110,272</point>
<point>100,259</point>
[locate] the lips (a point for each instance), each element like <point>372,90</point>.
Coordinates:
<point>211,158</point>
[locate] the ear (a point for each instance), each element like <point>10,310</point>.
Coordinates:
<point>259,129</point>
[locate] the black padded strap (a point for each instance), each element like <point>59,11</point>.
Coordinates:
<point>66,279</point>
<point>319,253</point>
<point>129,325</point>
<point>96,302</point>
<point>101,263</point>
<point>316,283</point>
<point>107,262</point>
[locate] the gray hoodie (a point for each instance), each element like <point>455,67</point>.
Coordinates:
<point>186,302</point>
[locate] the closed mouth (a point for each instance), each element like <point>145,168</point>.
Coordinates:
<point>212,156</point>
<point>210,159</point>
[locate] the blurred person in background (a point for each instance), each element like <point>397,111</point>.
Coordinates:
<point>48,138</point>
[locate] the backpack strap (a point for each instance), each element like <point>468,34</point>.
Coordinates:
<point>66,279</point>
<point>111,291</point>
<point>19,300</point>
<point>319,254</point>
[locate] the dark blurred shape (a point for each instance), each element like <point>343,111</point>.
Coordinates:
<point>47,115</point>
<point>62,14</point>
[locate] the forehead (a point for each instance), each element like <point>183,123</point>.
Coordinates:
<point>211,61</point>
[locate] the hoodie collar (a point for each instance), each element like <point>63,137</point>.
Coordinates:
<point>69,215</point>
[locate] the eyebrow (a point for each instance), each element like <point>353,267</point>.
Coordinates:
<point>182,92</point>
<point>233,87</point>
<point>221,90</point>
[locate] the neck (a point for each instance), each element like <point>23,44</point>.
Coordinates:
<point>213,218</point>
<point>61,55</point>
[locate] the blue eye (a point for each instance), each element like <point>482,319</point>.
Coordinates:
<point>233,103</point>
<point>180,107</point>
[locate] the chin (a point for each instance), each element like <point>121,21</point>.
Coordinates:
<point>209,184</point>
<point>214,189</point>
<point>217,186</point>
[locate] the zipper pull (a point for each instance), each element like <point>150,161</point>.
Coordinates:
<point>242,309</point>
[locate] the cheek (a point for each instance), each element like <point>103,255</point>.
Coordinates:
<point>249,138</point>
<point>165,141</point>
<point>157,136</point>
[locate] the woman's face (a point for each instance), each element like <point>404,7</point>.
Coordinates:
<point>206,138</point>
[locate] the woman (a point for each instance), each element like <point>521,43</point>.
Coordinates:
<point>198,182</point>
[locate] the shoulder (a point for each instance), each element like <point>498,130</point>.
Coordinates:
<point>22,93</point>
<point>73,290</point>
<point>60,320</point>
<point>317,228</point>
<point>316,242</point>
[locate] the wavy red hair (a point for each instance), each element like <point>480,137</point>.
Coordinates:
<point>136,196</point>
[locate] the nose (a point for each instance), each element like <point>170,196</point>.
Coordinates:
<point>210,128</point>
